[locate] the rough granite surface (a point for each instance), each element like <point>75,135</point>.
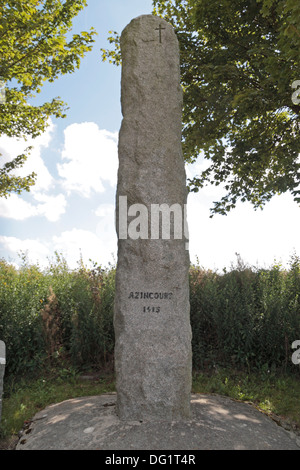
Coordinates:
<point>153,355</point>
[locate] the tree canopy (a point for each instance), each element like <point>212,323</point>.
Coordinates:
<point>35,46</point>
<point>241,79</point>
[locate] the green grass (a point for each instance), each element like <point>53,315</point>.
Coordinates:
<point>26,398</point>
<point>273,394</point>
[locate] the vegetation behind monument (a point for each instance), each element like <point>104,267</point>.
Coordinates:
<point>57,317</point>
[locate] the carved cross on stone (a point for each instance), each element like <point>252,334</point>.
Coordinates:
<point>160,28</point>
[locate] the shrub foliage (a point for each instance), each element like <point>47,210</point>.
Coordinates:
<point>51,316</point>
<point>244,317</point>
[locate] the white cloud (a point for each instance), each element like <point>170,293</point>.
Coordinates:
<point>15,208</point>
<point>90,165</point>
<point>105,229</point>
<point>92,158</point>
<point>105,210</point>
<point>260,237</point>
<point>72,244</point>
<point>37,251</point>
<point>51,207</point>
<point>11,147</point>
<point>77,242</point>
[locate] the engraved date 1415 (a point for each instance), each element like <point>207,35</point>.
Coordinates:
<point>151,309</point>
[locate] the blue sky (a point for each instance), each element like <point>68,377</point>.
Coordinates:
<point>71,208</point>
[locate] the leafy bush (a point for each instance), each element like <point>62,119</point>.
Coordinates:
<point>57,317</point>
<point>245,317</point>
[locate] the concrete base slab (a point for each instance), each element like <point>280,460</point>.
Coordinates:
<point>91,423</point>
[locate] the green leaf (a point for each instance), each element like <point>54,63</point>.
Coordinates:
<point>33,49</point>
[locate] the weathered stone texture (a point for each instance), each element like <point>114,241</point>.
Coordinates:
<point>152,324</point>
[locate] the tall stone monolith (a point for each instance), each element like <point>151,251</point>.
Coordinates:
<point>151,320</point>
